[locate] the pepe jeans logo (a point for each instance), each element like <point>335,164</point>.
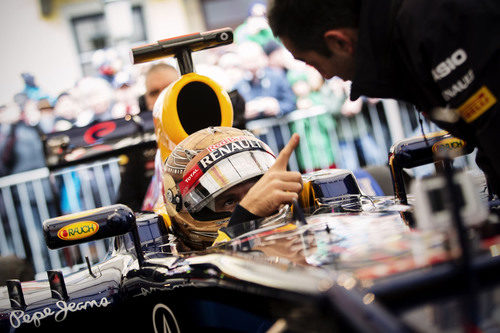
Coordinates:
<point>448,145</point>
<point>78,230</point>
<point>19,317</point>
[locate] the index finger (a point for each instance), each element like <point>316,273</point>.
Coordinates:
<point>282,159</point>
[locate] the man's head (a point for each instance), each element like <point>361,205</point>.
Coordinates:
<point>10,113</point>
<point>252,57</point>
<point>158,77</point>
<point>322,33</point>
<point>205,177</point>
<point>47,116</point>
<point>95,94</point>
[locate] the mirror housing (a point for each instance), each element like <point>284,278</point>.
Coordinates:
<point>88,226</point>
<point>417,151</point>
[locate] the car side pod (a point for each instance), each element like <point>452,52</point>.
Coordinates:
<point>421,150</point>
<point>92,225</point>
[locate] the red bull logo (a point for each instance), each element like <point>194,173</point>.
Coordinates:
<point>448,145</point>
<point>78,230</point>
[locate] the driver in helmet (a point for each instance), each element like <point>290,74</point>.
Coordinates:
<point>222,175</point>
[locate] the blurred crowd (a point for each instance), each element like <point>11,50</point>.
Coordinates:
<point>260,75</point>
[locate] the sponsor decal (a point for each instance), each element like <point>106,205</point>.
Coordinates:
<point>98,131</point>
<point>443,69</point>
<point>458,86</point>
<point>19,317</point>
<point>217,152</point>
<point>190,179</point>
<point>164,320</point>
<point>448,145</point>
<point>477,104</point>
<point>229,149</point>
<point>218,176</point>
<point>78,230</point>
<point>224,142</point>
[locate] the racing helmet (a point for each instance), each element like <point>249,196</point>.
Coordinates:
<point>201,167</point>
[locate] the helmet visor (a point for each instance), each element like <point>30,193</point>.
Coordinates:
<point>221,169</point>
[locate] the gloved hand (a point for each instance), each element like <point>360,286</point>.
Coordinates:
<point>278,186</point>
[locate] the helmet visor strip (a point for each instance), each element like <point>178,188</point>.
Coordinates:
<point>204,182</point>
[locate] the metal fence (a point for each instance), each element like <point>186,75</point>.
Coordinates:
<point>329,139</point>
<point>334,140</point>
<point>29,198</point>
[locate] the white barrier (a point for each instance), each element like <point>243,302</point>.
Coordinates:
<point>29,198</point>
<point>380,125</point>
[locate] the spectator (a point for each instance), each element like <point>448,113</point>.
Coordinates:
<point>255,28</point>
<point>66,109</point>
<point>278,56</point>
<point>306,85</point>
<point>158,77</point>
<point>132,192</point>
<point>107,63</point>
<point>125,96</point>
<point>31,89</point>
<point>335,94</point>
<point>30,114</point>
<point>7,139</point>
<point>20,144</point>
<point>266,90</point>
<point>230,62</point>
<point>47,116</point>
<point>96,97</point>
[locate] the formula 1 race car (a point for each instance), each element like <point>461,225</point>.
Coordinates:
<point>336,260</point>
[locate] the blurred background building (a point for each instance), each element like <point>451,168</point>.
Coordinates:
<point>56,40</point>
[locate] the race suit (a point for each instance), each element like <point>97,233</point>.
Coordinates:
<point>437,54</point>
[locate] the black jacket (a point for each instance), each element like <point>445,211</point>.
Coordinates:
<point>427,52</point>
<point>437,53</point>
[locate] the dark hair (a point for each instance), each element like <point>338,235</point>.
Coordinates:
<point>304,22</point>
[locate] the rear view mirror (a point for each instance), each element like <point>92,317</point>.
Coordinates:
<point>88,226</point>
<point>417,151</point>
